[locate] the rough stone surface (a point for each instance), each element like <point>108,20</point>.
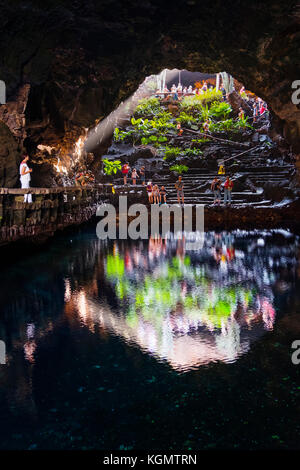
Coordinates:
<point>10,157</point>
<point>82,58</point>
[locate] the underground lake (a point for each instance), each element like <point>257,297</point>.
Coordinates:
<point>143,344</point>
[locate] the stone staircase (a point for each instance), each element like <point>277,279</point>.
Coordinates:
<point>197,185</point>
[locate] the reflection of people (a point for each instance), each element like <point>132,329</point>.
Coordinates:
<point>25,178</point>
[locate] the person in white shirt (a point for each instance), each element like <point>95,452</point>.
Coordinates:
<point>25,177</point>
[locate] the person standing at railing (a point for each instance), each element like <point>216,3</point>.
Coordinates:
<point>25,177</point>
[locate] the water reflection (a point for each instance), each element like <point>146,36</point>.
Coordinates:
<point>188,308</point>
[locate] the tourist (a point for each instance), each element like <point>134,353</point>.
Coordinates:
<point>241,114</point>
<point>25,177</point>
<point>150,191</point>
<point>228,185</point>
<point>134,176</point>
<point>190,89</point>
<point>175,96</point>
<point>204,87</point>
<point>173,88</point>
<point>254,112</point>
<point>125,170</point>
<point>206,126</point>
<point>179,130</point>
<point>262,108</point>
<point>179,88</point>
<point>179,187</point>
<point>156,194</point>
<point>143,175</point>
<point>163,195</point>
<point>185,90</point>
<point>216,188</point>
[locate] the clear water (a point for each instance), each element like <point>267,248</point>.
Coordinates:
<point>146,345</point>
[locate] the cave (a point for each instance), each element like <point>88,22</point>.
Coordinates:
<point>144,344</point>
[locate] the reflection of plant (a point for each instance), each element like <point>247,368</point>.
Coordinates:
<point>115,266</point>
<point>179,169</point>
<point>110,167</point>
<point>157,296</point>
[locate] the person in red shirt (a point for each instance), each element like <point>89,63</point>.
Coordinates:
<point>125,170</point>
<point>262,109</point>
<point>228,185</point>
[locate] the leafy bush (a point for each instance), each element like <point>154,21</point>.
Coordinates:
<point>179,169</point>
<point>192,152</point>
<point>243,123</point>
<point>123,135</point>
<point>171,153</point>
<point>186,119</point>
<point>201,141</point>
<point>220,110</point>
<point>111,167</point>
<point>147,106</point>
<point>227,125</point>
<point>195,103</point>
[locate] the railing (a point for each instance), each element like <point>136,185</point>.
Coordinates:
<point>51,209</point>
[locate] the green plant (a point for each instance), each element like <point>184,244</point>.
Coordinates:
<point>220,110</point>
<point>179,169</point>
<point>243,123</point>
<point>171,153</point>
<point>227,125</point>
<point>194,104</point>
<point>186,119</point>
<point>192,152</point>
<point>147,107</point>
<point>201,141</point>
<point>110,167</point>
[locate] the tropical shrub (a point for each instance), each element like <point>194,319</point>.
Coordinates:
<point>243,123</point>
<point>110,167</point>
<point>194,104</point>
<point>171,153</point>
<point>179,169</point>
<point>220,110</point>
<point>192,152</point>
<point>226,125</point>
<point>147,106</point>
<point>186,119</point>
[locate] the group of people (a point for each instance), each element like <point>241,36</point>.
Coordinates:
<point>156,195</point>
<point>216,187</point>
<point>135,174</point>
<point>178,91</point>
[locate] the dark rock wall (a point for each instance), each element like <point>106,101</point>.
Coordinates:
<point>81,58</point>
<point>10,157</point>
